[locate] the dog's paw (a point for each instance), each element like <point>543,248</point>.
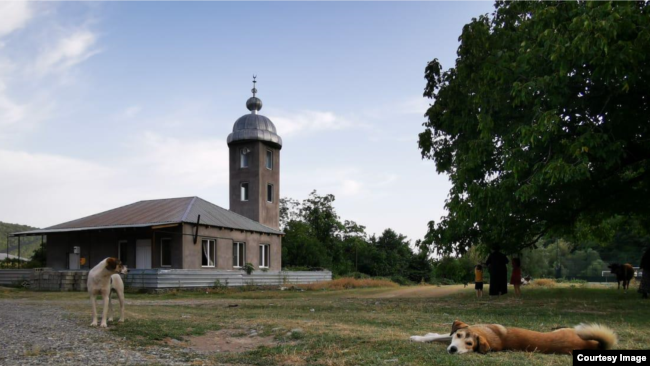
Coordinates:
<point>416,339</point>
<point>93,324</point>
<point>121,321</point>
<point>110,319</point>
<point>103,325</point>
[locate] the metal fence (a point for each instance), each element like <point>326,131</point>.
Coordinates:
<point>14,277</point>
<point>65,280</point>
<point>187,278</point>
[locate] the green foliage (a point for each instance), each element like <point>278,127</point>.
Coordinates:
<point>11,263</point>
<point>316,237</point>
<point>249,268</point>
<point>28,244</point>
<point>542,123</point>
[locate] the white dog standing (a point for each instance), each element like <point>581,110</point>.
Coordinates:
<point>99,283</point>
<point>118,285</point>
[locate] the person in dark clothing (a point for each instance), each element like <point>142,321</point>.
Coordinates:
<point>644,286</point>
<point>497,265</point>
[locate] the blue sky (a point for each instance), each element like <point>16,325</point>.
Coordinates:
<point>104,104</point>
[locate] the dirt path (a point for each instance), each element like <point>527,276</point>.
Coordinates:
<point>419,291</point>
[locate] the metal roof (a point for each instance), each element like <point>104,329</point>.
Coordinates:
<point>252,127</point>
<point>159,212</point>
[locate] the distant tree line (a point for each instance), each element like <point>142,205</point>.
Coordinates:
<point>316,237</point>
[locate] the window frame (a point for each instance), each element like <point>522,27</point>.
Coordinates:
<point>269,160</point>
<point>239,259</point>
<point>265,259</point>
<point>119,250</point>
<point>272,192</point>
<point>247,153</point>
<point>214,260</point>
<point>169,243</point>
<point>241,191</point>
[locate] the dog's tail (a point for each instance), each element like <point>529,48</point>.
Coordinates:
<point>605,337</point>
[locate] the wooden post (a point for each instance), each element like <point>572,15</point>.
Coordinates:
<point>20,262</point>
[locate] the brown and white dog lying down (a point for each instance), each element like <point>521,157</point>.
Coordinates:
<point>99,283</point>
<point>486,338</point>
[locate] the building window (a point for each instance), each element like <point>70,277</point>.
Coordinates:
<point>165,252</point>
<point>244,155</point>
<point>208,254</point>
<point>123,251</point>
<point>265,256</point>
<point>269,159</point>
<point>244,191</point>
<point>269,193</point>
<point>238,255</point>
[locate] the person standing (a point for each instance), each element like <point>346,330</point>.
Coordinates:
<point>644,286</point>
<point>497,264</point>
<point>515,278</point>
<point>478,280</point>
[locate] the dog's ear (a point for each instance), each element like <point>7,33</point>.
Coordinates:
<point>482,346</point>
<point>457,325</point>
<point>111,264</point>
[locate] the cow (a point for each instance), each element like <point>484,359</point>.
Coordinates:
<point>623,272</point>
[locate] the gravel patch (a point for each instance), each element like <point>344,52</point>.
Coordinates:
<point>41,334</point>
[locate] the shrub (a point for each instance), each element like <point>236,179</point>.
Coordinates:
<point>348,283</point>
<point>401,280</point>
<point>358,275</point>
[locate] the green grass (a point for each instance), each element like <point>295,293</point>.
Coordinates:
<point>351,328</point>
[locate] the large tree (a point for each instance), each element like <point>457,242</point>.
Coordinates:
<point>542,123</point>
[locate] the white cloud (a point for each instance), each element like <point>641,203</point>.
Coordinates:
<point>308,121</point>
<point>46,189</point>
<point>350,187</point>
<point>67,52</point>
<point>192,162</point>
<point>416,105</point>
<point>42,189</point>
<point>130,112</point>
<point>10,111</point>
<point>14,15</point>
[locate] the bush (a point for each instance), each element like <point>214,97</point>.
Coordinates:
<point>401,280</point>
<point>348,283</point>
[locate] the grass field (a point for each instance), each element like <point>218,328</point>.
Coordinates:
<point>361,327</point>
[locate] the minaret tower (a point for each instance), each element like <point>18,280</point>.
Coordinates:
<point>255,165</point>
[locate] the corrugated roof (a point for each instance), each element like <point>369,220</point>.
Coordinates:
<point>160,212</point>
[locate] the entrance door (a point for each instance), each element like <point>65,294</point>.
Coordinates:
<point>143,254</point>
<point>73,261</point>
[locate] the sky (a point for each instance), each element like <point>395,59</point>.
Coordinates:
<point>106,104</point>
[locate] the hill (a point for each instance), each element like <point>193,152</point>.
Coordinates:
<point>27,244</point>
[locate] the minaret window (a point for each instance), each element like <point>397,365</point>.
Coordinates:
<point>244,191</point>
<point>269,159</point>
<point>269,193</point>
<point>244,156</point>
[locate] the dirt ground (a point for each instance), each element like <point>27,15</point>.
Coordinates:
<point>229,340</point>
